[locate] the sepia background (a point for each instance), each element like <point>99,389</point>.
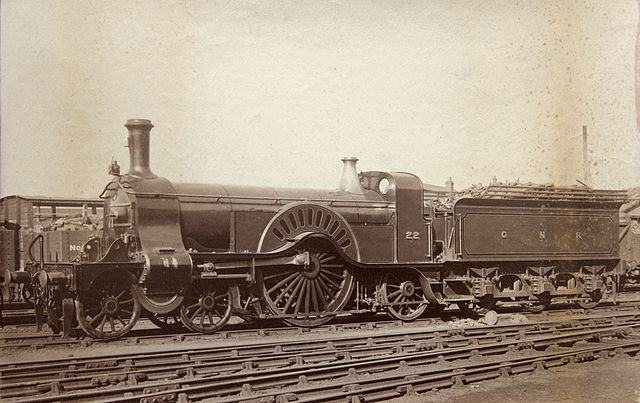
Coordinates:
<point>275,93</point>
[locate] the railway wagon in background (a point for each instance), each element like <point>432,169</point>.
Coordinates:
<point>202,251</point>
<point>34,229</point>
<point>630,240</point>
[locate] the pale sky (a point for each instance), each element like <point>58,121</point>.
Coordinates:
<point>277,92</point>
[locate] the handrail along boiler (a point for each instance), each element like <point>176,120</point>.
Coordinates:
<point>302,255</point>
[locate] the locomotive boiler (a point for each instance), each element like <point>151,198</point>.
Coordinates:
<point>304,256</point>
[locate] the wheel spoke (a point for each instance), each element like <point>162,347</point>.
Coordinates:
<point>327,259</point>
<point>292,297</point>
<point>193,315</point>
<point>338,276</point>
<point>278,274</point>
<point>314,296</point>
<point>100,315</point>
<point>282,282</point>
<point>321,294</point>
<point>393,294</point>
<point>328,280</point>
<point>300,296</point>
<point>220,297</point>
<point>294,283</point>
<point>325,288</point>
<point>307,296</point>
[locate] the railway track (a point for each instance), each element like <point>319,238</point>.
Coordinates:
<point>377,365</point>
<point>155,336</point>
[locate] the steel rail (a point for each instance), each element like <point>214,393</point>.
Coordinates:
<point>487,345</point>
<point>138,336</point>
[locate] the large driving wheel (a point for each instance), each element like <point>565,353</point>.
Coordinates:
<point>108,310</point>
<point>207,306</point>
<point>309,295</point>
<point>404,293</point>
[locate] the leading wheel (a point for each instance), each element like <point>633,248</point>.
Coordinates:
<point>308,295</point>
<point>108,310</point>
<point>404,294</point>
<point>207,306</point>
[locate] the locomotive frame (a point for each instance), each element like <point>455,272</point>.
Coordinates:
<point>305,256</point>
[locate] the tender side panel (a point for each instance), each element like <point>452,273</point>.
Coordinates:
<point>494,229</point>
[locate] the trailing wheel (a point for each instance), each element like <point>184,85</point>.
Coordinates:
<point>308,295</point>
<point>108,310</point>
<point>404,293</point>
<point>207,306</point>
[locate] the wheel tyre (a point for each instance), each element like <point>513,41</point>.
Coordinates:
<point>204,303</point>
<point>317,291</point>
<point>405,289</point>
<point>108,300</point>
<point>167,321</point>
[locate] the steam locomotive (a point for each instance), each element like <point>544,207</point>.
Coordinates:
<point>380,241</point>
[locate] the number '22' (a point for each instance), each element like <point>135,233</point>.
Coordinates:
<point>412,235</point>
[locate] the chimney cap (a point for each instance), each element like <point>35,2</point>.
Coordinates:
<point>138,122</point>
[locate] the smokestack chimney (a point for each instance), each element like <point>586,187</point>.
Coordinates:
<point>449,185</point>
<point>138,143</point>
<point>350,182</point>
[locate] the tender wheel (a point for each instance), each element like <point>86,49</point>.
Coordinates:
<point>479,308</point>
<point>309,294</point>
<point>167,321</point>
<point>108,310</point>
<point>595,298</point>
<point>404,291</point>
<point>207,307</point>
<point>539,305</point>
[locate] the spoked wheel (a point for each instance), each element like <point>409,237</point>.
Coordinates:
<point>108,310</point>
<point>594,299</point>
<point>403,290</point>
<point>207,306</point>
<point>539,305</point>
<point>167,321</point>
<point>309,295</point>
